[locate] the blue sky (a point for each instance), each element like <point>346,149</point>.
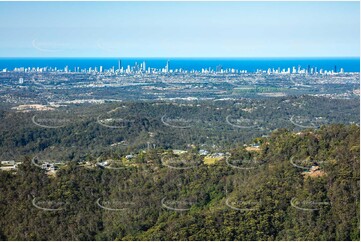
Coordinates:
<point>179,29</point>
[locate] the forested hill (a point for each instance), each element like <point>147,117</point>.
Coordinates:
<point>296,186</point>
<point>86,132</point>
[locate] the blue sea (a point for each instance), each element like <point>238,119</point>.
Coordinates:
<point>249,64</point>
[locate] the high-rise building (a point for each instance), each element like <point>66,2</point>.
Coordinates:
<point>335,69</point>
<point>136,67</point>
<point>119,64</point>
<point>219,68</point>
<point>101,69</point>
<point>167,67</point>
<point>143,67</point>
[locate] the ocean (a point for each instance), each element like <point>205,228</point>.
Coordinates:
<point>249,64</point>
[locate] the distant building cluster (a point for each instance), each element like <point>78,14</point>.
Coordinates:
<point>141,68</point>
<point>9,165</point>
<point>309,70</point>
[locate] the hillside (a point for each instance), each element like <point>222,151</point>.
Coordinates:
<point>259,194</point>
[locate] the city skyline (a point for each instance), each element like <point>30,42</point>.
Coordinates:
<point>143,68</point>
<point>180,29</point>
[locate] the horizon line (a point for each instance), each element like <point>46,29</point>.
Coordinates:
<point>178,57</point>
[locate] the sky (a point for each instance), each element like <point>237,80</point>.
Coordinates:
<point>179,29</point>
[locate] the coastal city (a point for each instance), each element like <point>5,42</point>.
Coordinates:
<point>141,68</point>
<point>180,120</point>
<point>60,86</point>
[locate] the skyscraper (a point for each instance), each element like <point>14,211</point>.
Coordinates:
<point>219,68</point>
<point>143,67</point>
<point>119,64</point>
<point>136,67</point>
<point>167,67</point>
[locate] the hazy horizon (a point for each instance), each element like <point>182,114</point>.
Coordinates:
<point>180,29</point>
<point>177,57</point>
